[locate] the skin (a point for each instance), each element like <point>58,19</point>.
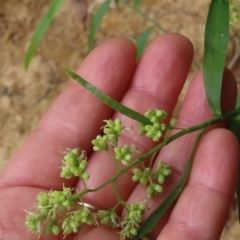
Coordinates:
<point>76,117</point>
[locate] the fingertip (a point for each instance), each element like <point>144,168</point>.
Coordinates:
<point>176,42</point>
<point>103,53</point>
<point>218,156</point>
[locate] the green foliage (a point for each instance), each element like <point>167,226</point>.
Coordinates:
<point>215,46</point>
<point>41,29</point>
<point>44,217</point>
<point>234,127</point>
<point>142,42</point>
<point>108,100</point>
<point>96,21</point>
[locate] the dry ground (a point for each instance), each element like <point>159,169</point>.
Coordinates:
<point>25,96</point>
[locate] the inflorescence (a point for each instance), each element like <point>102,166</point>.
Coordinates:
<point>64,211</point>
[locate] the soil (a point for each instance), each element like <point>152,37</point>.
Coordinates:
<point>26,95</point>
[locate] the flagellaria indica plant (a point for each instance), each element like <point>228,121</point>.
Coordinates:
<point>66,212</point>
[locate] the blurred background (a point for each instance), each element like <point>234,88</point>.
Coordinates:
<point>26,95</point>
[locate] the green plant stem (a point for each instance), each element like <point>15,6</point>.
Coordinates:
<point>144,16</point>
<point>118,196</point>
<point>227,115</point>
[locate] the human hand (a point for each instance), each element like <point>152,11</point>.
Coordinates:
<point>76,117</point>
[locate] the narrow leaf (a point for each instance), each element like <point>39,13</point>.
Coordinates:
<point>142,42</point>
<point>234,126</point>
<point>41,30</point>
<point>154,218</point>
<point>97,18</point>
<point>108,100</point>
<point>137,3</point>
<point>215,46</point>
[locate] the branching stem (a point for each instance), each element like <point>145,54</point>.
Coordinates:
<point>225,116</point>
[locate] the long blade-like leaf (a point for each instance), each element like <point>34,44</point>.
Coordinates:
<point>108,100</point>
<point>97,18</point>
<point>41,29</point>
<point>153,219</point>
<point>234,126</point>
<point>142,42</point>
<point>215,46</point>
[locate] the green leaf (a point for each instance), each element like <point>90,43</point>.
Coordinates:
<point>154,218</point>
<point>142,42</point>
<point>136,3</point>
<point>215,46</point>
<point>41,30</point>
<point>97,18</point>
<point>234,126</point>
<point>108,100</point>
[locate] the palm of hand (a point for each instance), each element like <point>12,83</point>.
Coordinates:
<point>76,117</point>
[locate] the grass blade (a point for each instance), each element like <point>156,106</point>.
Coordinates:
<point>234,126</point>
<point>215,46</point>
<point>136,3</point>
<point>142,42</point>
<point>97,18</point>
<point>153,219</point>
<point>41,30</point>
<point>108,100</point>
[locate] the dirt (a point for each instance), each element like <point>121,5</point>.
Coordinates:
<point>26,95</point>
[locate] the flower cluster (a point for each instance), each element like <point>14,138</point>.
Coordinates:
<point>109,218</point>
<point>75,219</point>
<point>74,164</point>
<point>124,154</point>
<point>112,130</point>
<point>154,130</point>
<point>146,176</point>
<point>132,220</point>
<point>44,218</point>
<point>63,211</point>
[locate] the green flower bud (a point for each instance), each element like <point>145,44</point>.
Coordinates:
<point>167,172</point>
<point>34,222</point>
<point>150,192</point>
<point>157,188</point>
<point>55,230</point>
<point>161,178</point>
<point>66,173</point>
<point>141,130</point>
<point>124,154</point>
<point>43,199</point>
<point>83,165</point>
<point>71,157</point>
<point>154,131</point>
<point>155,115</point>
<point>100,143</point>
<point>133,232</point>
<point>108,217</point>
<point>113,129</point>
<point>85,176</point>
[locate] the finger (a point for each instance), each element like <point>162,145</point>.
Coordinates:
<point>195,110</point>
<point>202,209</point>
<point>74,119</point>
<point>157,82</point>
